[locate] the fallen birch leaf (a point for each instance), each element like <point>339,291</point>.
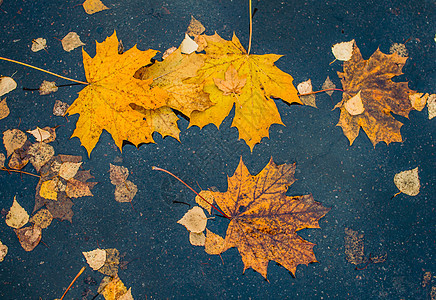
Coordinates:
<point>13,139</point>
<point>197,239</point>
<point>42,218</point>
<point>118,174</point>
<point>29,237</point>
<point>2,160</point>
<point>3,251</point>
<point>4,109</point>
<point>400,49</point>
<point>76,188</point>
<point>7,84</point>
<point>17,216</point>
<point>47,87</point>
<point>408,182</point>
<point>328,84</point>
<point>95,258</point>
<point>124,192</point>
<point>343,51</point>
<point>114,289</point>
<point>194,220</point>
<point>60,108</point>
<point>188,45</point>
<point>354,247</point>
<point>195,27</point>
<point>40,154</point>
<point>69,169</point>
<point>39,134</point>
<point>38,44</point>
<point>71,41</point>
<point>93,6</point>
<point>305,87</point>
<point>354,105</point>
<point>418,100</point>
<point>111,265</point>
<point>49,190</point>
<point>431,105</point>
<point>214,243</point>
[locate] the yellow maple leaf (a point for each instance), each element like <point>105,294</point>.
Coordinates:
<point>255,110</point>
<point>105,103</point>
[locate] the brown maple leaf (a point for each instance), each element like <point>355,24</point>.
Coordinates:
<point>264,221</point>
<point>370,96</point>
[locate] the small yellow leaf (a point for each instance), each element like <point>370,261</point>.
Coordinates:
<point>47,87</point>
<point>118,174</point>
<point>114,289</point>
<point>188,45</point>
<point>195,27</point>
<point>127,296</point>
<point>38,44</point>
<point>214,243</point>
<point>71,41</point>
<point>343,51</point>
<point>4,109</point>
<point>408,182</point>
<point>354,105</point>
<point>17,216</point>
<point>418,100</point>
<point>209,197</point>
<point>7,84</point>
<point>48,190</point>
<point>124,192</point>
<point>94,6</point>
<point>13,139</point>
<point>431,105</point>
<point>69,169</point>
<point>305,87</point>
<point>40,153</point>
<point>42,218</point>
<point>194,220</point>
<point>197,239</point>
<point>3,251</point>
<point>39,134</point>
<point>95,258</point>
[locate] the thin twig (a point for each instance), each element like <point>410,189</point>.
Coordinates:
<point>213,206</point>
<point>42,70</point>
<point>72,282</point>
<point>18,171</point>
<point>316,92</point>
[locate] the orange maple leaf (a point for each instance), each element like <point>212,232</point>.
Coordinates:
<point>255,110</point>
<point>264,220</point>
<point>370,96</point>
<point>105,103</point>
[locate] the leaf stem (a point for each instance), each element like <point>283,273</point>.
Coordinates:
<point>213,206</point>
<point>18,171</point>
<point>316,92</point>
<point>251,27</point>
<point>42,70</point>
<point>72,282</point>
